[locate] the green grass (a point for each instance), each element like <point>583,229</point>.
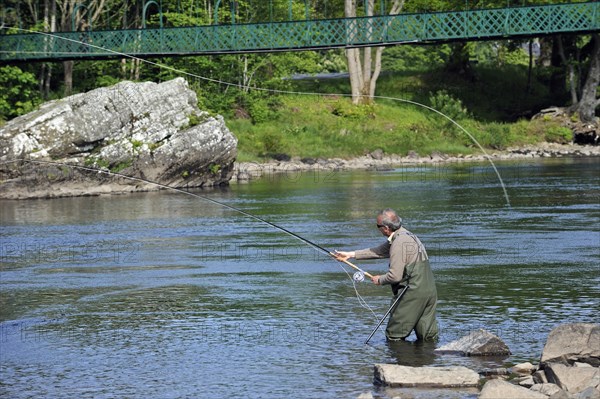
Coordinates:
<point>329,126</point>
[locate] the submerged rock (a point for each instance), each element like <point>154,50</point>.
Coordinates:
<point>146,130</point>
<point>477,343</point>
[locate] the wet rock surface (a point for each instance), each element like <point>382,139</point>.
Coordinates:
<point>477,343</point>
<point>561,378</point>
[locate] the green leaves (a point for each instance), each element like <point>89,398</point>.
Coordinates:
<point>18,92</point>
<point>448,105</point>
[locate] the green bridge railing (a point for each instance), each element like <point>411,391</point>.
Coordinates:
<point>303,35</point>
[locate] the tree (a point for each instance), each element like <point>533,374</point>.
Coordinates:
<point>83,18</point>
<point>587,104</point>
<point>18,92</point>
<point>364,67</point>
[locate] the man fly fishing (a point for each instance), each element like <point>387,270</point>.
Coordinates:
<point>409,267</point>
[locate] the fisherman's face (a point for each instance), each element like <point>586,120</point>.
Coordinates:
<point>383,229</point>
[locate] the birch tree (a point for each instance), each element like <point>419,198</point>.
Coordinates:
<point>364,65</point>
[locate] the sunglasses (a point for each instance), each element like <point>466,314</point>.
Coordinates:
<point>380,226</point>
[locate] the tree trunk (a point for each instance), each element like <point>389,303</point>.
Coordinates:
<point>354,70</point>
<point>376,71</point>
<point>364,67</point>
<point>544,60</point>
<point>586,107</point>
<point>353,54</point>
<point>570,69</point>
<point>530,68</point>
<point>458,61</point>
<point>557,74</point>
<point>83,20</point>
<point>68,77</point>
<point>49,25</point>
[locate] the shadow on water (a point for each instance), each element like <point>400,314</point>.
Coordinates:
<point>412,353</point>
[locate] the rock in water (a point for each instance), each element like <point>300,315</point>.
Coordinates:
<point>394,375</point>
<point>575,342</point>
<point>477,343</point>
<point>145,130</point>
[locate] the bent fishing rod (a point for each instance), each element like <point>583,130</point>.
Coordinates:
<point>359,276</point>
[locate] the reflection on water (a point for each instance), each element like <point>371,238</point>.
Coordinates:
<point>164,295</point>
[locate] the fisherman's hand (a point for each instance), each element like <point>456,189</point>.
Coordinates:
<point>343,255</point>
<point>375,280</point>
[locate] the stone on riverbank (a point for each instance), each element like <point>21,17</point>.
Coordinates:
<point>325,169</point>
<point>573,379</point>
<point>523,368</point>
<point>566,372</point>
<point>500,389</point>
<point>439,377</point>
<point>569,343</point>
<point>145,130</point>
<point>477,343</point>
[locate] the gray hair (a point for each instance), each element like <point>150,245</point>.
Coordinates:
<point>390,218</point>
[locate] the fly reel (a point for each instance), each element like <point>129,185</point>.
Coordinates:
<point>359,277</point>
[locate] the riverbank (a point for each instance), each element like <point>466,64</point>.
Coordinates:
<point>377,160</point>
<point>56,180</point>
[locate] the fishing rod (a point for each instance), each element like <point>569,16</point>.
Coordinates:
<point>400,295</point>
<point>358,276</point>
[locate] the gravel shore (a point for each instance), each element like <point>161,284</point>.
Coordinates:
<point>378,160</point>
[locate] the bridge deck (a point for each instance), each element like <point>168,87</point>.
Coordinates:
<point>303,35</point>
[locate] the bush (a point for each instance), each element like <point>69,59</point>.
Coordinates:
<point>500,136</point>
<point>448,105</point>
<point>18,92</point>
<point>272,143</point>
<point>346,109</point>
<point>558,134</point>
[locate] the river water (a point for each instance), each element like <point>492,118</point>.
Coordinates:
<point>164,295</point>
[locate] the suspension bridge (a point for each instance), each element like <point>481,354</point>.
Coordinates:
<point>315,34</point>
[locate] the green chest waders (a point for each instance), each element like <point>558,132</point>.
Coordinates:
<point>416,309</point>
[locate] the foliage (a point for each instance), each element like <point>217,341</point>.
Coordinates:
<point>18,92</point>
<point>493,87</point>
<point>345,109</point>
<point>448,105</point>
<point>260,108</point>
<point>414,58</point>
<point>558,134</point>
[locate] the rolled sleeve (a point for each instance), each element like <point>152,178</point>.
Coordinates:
<point>379,252</point>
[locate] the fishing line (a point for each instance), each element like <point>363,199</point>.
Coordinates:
<point>316,247</point>
<point>357,277</point>
<point>278,91</point>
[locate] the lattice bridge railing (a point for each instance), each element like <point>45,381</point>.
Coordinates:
<point>302,35</point>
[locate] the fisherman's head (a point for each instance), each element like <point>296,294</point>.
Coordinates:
<point>388,222</point>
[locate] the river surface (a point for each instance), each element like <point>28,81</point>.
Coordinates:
<point>164,295</point>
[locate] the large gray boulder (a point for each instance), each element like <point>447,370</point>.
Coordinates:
<point>146,130</point>
<point>570,343</point>
<point>394,375</point>
<point>477,343</point>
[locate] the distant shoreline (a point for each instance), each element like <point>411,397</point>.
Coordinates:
<point>244,172</point>
<point>58,183</point>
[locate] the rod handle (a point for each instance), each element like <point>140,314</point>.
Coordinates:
<point>369,275</point>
